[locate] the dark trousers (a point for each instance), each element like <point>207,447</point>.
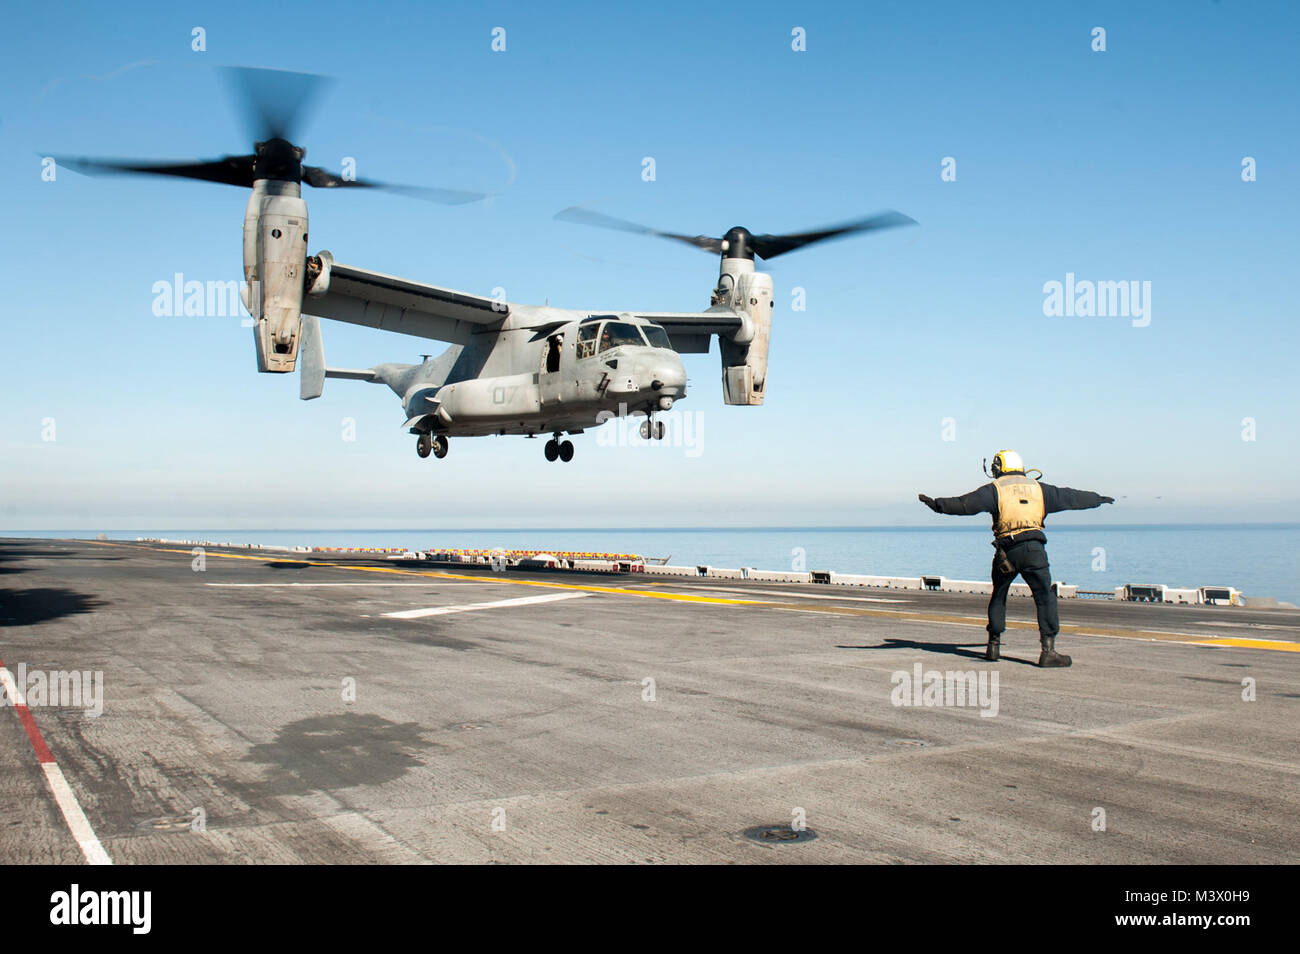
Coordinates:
<point>1029,560</point>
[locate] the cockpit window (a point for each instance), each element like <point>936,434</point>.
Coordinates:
<point>586,343</point>
<point>657,337</point>
<point>616,333</point>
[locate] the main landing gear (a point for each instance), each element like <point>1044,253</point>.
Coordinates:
<point>557,448</point>
<point>426,442</point>
<point>653,429</point>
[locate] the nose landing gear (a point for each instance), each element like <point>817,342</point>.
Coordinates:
<point>652,429</point>
<point>426,443</point>
<point>557,448</point>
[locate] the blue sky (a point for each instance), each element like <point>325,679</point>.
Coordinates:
<point>1122,165</point>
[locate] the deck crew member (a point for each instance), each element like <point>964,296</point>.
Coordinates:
<point>1019,505</point>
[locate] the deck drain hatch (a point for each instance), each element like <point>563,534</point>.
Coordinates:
<point>779,834</point>
<point>167,823</point>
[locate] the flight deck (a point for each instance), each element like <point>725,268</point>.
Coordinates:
<point>300,708</point>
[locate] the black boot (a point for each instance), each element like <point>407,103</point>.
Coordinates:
<point>993,653</point>
<point>1049,658</point>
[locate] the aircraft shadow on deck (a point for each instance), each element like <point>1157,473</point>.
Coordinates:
<point>29,607</point>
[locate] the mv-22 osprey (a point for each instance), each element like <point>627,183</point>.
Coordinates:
<point>509,368</point>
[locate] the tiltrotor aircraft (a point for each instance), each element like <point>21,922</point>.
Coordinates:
<point>509,368</point>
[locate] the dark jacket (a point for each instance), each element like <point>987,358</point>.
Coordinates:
<point>985,500</point>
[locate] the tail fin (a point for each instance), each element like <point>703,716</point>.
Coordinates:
<point>311,354</point>
<point>311,364</point>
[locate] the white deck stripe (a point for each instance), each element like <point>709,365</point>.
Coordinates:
<point>74,816</point>
<point>469,607</point>
<point>12,692</point>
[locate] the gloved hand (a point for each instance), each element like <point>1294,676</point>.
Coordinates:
<point>928,501</point>
<point>1106,500</point>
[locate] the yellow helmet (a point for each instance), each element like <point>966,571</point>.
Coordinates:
<point>1007,462</point>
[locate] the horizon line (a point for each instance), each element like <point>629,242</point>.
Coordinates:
<point>658,529</point>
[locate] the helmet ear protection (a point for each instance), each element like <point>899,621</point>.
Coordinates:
<point>1005,462</point>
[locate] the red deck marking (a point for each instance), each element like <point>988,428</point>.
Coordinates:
<point>33,732</point>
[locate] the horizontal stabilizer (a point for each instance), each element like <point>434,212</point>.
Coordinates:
<point>352,374</point>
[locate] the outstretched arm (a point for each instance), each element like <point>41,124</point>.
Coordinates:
<point>983,500</point>
<point>1057,499</point>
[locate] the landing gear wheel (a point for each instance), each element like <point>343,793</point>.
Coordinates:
<point>659,430</point>
<point>552,449</point>
<point>566,451</point>
<point>645,429</point>
<point>440,447</point>
<point>423,444</point>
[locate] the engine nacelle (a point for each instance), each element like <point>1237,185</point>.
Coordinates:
<point>744,357</point>
<point>275,255</point>
<point>319,268</point>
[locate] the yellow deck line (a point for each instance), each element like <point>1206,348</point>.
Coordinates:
<point>973,621</point>
<point>495,578</point>
<point>1279,645</point>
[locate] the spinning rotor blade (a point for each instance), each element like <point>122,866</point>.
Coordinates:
<point>231,170</point>
<point>740,242</point>
<point>273,102</point>
<point>322,179</point>
<point>587,217</point>
<point>770,246</point>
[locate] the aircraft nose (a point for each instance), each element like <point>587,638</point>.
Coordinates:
<point>668,380</point>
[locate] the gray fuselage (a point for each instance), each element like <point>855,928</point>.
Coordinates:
<point>566,372</point>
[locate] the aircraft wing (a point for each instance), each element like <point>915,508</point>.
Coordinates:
<point>690,331</point>
<point>375,300</point>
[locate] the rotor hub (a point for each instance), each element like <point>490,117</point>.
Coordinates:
<point>278,159</point>
<point>736,243</point>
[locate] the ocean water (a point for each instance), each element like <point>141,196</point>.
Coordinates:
<point>1260,560</point>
